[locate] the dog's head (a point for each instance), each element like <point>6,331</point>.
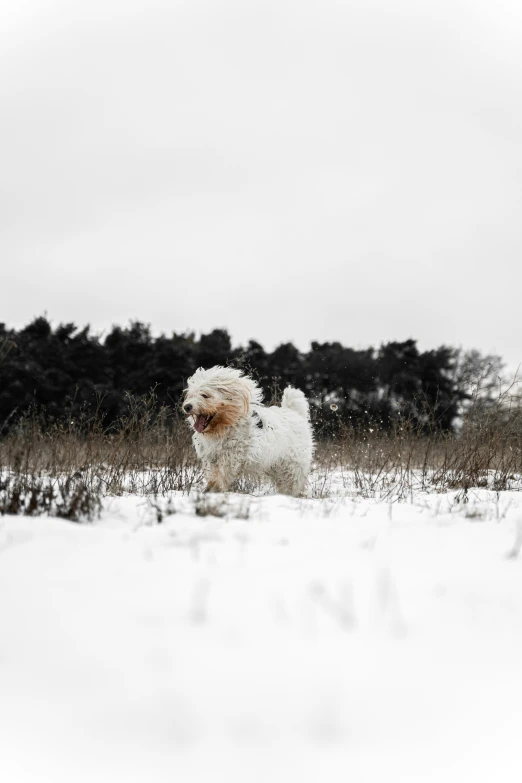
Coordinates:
<point>218,398</point>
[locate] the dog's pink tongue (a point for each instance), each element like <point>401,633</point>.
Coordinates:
<point>199,424</point>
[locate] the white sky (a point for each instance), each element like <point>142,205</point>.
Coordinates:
<point>288,170</point>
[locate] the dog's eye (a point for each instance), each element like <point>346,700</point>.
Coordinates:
<point>205,396</point>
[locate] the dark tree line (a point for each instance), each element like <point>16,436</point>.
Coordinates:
<point>66,370</point>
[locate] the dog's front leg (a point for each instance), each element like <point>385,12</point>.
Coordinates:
<point>223,468</point>
<point>218,479</point>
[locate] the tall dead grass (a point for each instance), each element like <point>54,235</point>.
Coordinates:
<point>149,452</point>
<point>485,452</point>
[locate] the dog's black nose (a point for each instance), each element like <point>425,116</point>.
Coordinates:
<point>187,408</point>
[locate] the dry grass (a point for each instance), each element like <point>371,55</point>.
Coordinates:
<point>150,453</point>
<point>68,498</point>
<point>485,452</point>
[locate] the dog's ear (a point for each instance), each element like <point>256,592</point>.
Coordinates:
<point>239,393</point>
<point>244,394</point>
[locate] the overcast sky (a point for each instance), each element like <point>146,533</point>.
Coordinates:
<point>304,170</point>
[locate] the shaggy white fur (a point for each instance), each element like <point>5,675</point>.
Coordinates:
<point>235,435</point>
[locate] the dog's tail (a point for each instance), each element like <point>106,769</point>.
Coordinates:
<point>294,400</point>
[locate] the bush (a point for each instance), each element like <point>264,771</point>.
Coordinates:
<point>35,495</point>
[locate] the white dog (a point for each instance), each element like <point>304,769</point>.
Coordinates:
<point>236,435</point>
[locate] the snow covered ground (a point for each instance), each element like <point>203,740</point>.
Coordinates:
<point>287,640</point>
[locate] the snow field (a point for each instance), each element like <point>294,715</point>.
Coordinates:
<point>339,639</point>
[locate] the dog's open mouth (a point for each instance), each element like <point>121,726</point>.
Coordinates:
<point>201,422</point>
